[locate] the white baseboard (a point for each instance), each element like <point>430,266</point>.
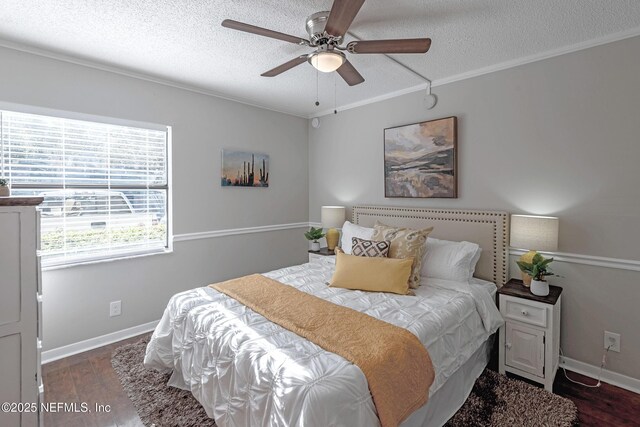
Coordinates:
<point>609,377</point>
<point>91,343</point>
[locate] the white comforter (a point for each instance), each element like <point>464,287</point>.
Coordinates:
<point>247,371</point>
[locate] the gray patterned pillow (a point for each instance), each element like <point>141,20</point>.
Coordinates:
<point>370,248</point>
<point>405,243</point>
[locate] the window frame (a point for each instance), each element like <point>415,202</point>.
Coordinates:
<point>54,264</point>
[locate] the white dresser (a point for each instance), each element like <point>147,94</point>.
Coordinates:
<point>20,311</point>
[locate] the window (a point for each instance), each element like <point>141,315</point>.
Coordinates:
<point>105,186</point>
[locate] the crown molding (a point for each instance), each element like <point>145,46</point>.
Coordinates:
<point>134,74</point>
<point>373,100</point>
<point>610,38</point>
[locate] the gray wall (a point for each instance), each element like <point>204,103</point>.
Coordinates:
<point>556,137</point>
<point>553,137</point>
<point>76,300</point>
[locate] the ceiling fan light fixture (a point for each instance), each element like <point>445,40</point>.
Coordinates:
<point>327,61</point>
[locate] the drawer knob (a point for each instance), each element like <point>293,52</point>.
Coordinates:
<point>525,313</point>
<point>508,345</point>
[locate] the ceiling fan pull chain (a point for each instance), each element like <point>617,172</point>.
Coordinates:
<point>317,89</point>
<point>335,103</point>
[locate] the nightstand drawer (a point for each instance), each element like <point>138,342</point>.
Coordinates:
<point>522,311</point>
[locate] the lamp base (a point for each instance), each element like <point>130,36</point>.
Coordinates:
<point>526,279</point>
<point>528,258</point>
<point>332,237</point>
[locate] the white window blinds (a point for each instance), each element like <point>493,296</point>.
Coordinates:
<point>105,186</point>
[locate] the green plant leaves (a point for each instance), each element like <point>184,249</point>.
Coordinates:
<point>314,234</point>
<point>547,261</point>
<point>538,269</point>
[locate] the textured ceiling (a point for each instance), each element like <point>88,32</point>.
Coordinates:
<point>183,41</point>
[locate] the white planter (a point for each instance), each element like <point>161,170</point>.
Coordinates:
<point>315,246</point>
<point>5,191</point>
<point>540,288</point>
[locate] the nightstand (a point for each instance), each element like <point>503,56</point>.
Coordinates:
<point>324,255</point>
<point>530,337</point>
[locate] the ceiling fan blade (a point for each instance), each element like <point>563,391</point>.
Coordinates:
<point>341,16</point>
<point>390,46</point>
<point>247,28</point>
<point>286,66</point>
<point>350,74</point>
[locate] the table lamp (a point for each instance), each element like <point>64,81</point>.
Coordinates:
<point>533,233</point>
<point>332,217</point>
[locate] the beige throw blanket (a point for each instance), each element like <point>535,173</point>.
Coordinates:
<point>396,364</point>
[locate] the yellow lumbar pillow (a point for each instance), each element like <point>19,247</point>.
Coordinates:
<point>372,274</point>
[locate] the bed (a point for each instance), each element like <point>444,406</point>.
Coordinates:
<point>248,371</point>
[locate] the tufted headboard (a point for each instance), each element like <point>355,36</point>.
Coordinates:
<point>489,229</point>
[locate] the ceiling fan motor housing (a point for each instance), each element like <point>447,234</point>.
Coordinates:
<point>315,28</point>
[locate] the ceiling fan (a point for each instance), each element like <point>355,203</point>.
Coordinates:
<point>326,33</point>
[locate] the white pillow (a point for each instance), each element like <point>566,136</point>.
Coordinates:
<point>474,262</point>
<point>350,230</point>
<point>449,260</point>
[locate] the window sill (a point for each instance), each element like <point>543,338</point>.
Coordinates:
<point>92,261</point>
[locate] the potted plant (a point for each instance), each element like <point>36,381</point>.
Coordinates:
<point>538,269</point>
<point>313,235</point>
<point>4,188</point>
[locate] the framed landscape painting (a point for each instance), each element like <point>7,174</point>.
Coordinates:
<point>244,169</point>
<point>420,160</point>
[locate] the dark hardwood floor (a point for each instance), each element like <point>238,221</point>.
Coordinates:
<point>88,377</point>
<point>606,405</point>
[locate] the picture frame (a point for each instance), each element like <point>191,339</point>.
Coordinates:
<point>239,169</point>
<point>421,159</point>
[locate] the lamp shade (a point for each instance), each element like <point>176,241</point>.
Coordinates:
<point>332,216</point>
<point>538,233</point>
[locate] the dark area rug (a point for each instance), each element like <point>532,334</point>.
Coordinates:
<point>157,404</point>
<point>497,400</point>
<point>494,401</point>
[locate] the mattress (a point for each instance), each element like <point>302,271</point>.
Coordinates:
<point>247,371</point>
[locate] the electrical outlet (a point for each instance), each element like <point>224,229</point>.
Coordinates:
<point>612,339</point>
<point>115,308</point>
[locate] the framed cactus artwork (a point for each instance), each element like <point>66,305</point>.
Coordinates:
<point>244,169</point>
